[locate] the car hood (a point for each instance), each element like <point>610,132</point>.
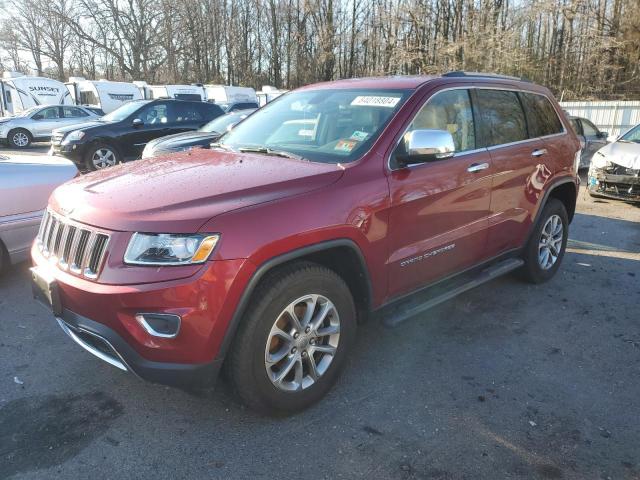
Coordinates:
<point>80,126</point>
<point>178,193</point>
<point>621,153</point>
<point>180,140</point>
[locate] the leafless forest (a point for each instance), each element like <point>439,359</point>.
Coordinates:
<point>581,49</point>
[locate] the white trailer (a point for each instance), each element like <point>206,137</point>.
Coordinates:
<point>19,92</point>
<point>230,94</point>
<point>179,92</point>
<point>268,93</point>
<point>102,94</point>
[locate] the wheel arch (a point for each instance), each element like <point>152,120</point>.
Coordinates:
<point>341,255</point>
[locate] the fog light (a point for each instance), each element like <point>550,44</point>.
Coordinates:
<point>163,325</point>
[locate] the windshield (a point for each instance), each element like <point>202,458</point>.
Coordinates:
<point>632,135</point>
<point>225,122</point>
<point>124,111</point>
<point>331,126</point>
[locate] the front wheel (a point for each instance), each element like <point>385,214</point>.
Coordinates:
<point>20,138</point>
<point>546,246</point>
<point>294,339</point>
<point>101,156</point>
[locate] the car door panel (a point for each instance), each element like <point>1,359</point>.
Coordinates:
<point>438,220</point>
<point>594,140</point>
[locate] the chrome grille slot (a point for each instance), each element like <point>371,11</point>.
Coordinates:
<point>79,250</point>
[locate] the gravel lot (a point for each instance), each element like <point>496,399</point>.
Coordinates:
<point>508,381</point>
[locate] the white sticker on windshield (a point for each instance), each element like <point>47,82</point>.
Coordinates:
<point>375,101</point>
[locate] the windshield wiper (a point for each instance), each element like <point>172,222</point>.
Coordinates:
<point>270,151</point>
<point>222,146</point>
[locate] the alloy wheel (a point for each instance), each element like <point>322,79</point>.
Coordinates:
<point>550,243</point>
<point>302,343</point>
<point>103,157</point>
<point>20,139</point>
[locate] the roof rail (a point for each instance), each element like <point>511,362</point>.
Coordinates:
<point>460,73</point>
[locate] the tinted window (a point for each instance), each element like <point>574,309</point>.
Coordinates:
<point>542,117</point>
<point>210,110</point>
<point>450,111</point>
<point>501,115</point>
<point>50,113</point>
<point>155,114</point>
<point>187,112</point>
<point>576,126</point>
<point>590,130</point>
<point>73,112</point>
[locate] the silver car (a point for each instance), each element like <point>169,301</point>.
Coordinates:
<point>37,123</point>
<point>25,185</point>
<point>591,139</point>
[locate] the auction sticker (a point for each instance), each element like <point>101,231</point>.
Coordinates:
<point>345,145</point>
<point>375,101</point>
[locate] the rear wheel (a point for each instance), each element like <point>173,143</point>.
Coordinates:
<point>294,339</point>
<point>546,246</point>
<point>20,138</point>
<point>101,156</point>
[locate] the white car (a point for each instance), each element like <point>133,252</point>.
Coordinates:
<point>37,123</point>
<point>26,182</point>
<point>615,168</point>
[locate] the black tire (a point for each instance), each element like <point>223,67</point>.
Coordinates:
<point>19,138</point>
<point>93,150</point>
<point>532,270</point>
<point>246,364</point>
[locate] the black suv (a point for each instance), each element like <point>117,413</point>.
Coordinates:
<point>122,134</point>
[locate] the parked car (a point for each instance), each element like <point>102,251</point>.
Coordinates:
<point>338,199</point>
<point>201,138</point>
<point>25,185</point>
<point>591,138</point>
<point>235,106</point>
<point>37,123</point>
<point>121,135</point>
<point>615,168</point>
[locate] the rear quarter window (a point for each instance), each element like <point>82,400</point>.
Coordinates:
<point>501,117</point>
<point>541,116</point>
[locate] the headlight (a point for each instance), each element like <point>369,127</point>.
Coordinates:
<point>169,248</point>
<point>74,136</point>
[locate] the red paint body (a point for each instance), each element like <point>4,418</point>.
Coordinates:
<point>264,207</point>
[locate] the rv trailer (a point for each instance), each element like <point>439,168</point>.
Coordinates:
<point>268,93</point>
<point>230,94</point>
<point>178,92</point>
<point>19,92</point>
<point>102,94</point>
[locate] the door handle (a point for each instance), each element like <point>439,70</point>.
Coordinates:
<point>539,152</point>
<point>476,167</point>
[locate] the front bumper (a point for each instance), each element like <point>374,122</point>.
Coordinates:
<point>205,302</point>
<point>73,151</point>
<point>107,345</point>
<point>617,186</point>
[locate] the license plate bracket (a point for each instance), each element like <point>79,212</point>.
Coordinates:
<point>46,291</point>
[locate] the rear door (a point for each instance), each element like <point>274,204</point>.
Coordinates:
<point>73,115</point>
<point>439,209</point>
<point>186,116</point>
<point>520,158</point>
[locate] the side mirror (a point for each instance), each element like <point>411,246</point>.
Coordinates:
<point>603,134</point>
<point>37,116</point>
<point>426,146</point>
<point>137,122</point>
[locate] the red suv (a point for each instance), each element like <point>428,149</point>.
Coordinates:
<point>335,200</point>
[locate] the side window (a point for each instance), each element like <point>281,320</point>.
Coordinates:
<point>187,112</point>
<point>154,114</point>
<point>576,126</point>
<point>501,116</point>
<point>450,111</point>
<point>50,113</point>
<point>542,117</point>
<point>590,130</point>
<point>74,112</point>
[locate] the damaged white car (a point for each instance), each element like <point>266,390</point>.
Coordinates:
<point>615,168</point>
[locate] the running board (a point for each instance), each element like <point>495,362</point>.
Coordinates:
<point>402,310</point>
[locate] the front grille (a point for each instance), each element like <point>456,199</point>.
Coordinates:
<point>616,169</point>
<point>76,248</point>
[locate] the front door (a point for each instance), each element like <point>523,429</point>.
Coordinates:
<point>156,121</point>
<point>594,140</point>
<point>439,209</point>
<point>45,121</point>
